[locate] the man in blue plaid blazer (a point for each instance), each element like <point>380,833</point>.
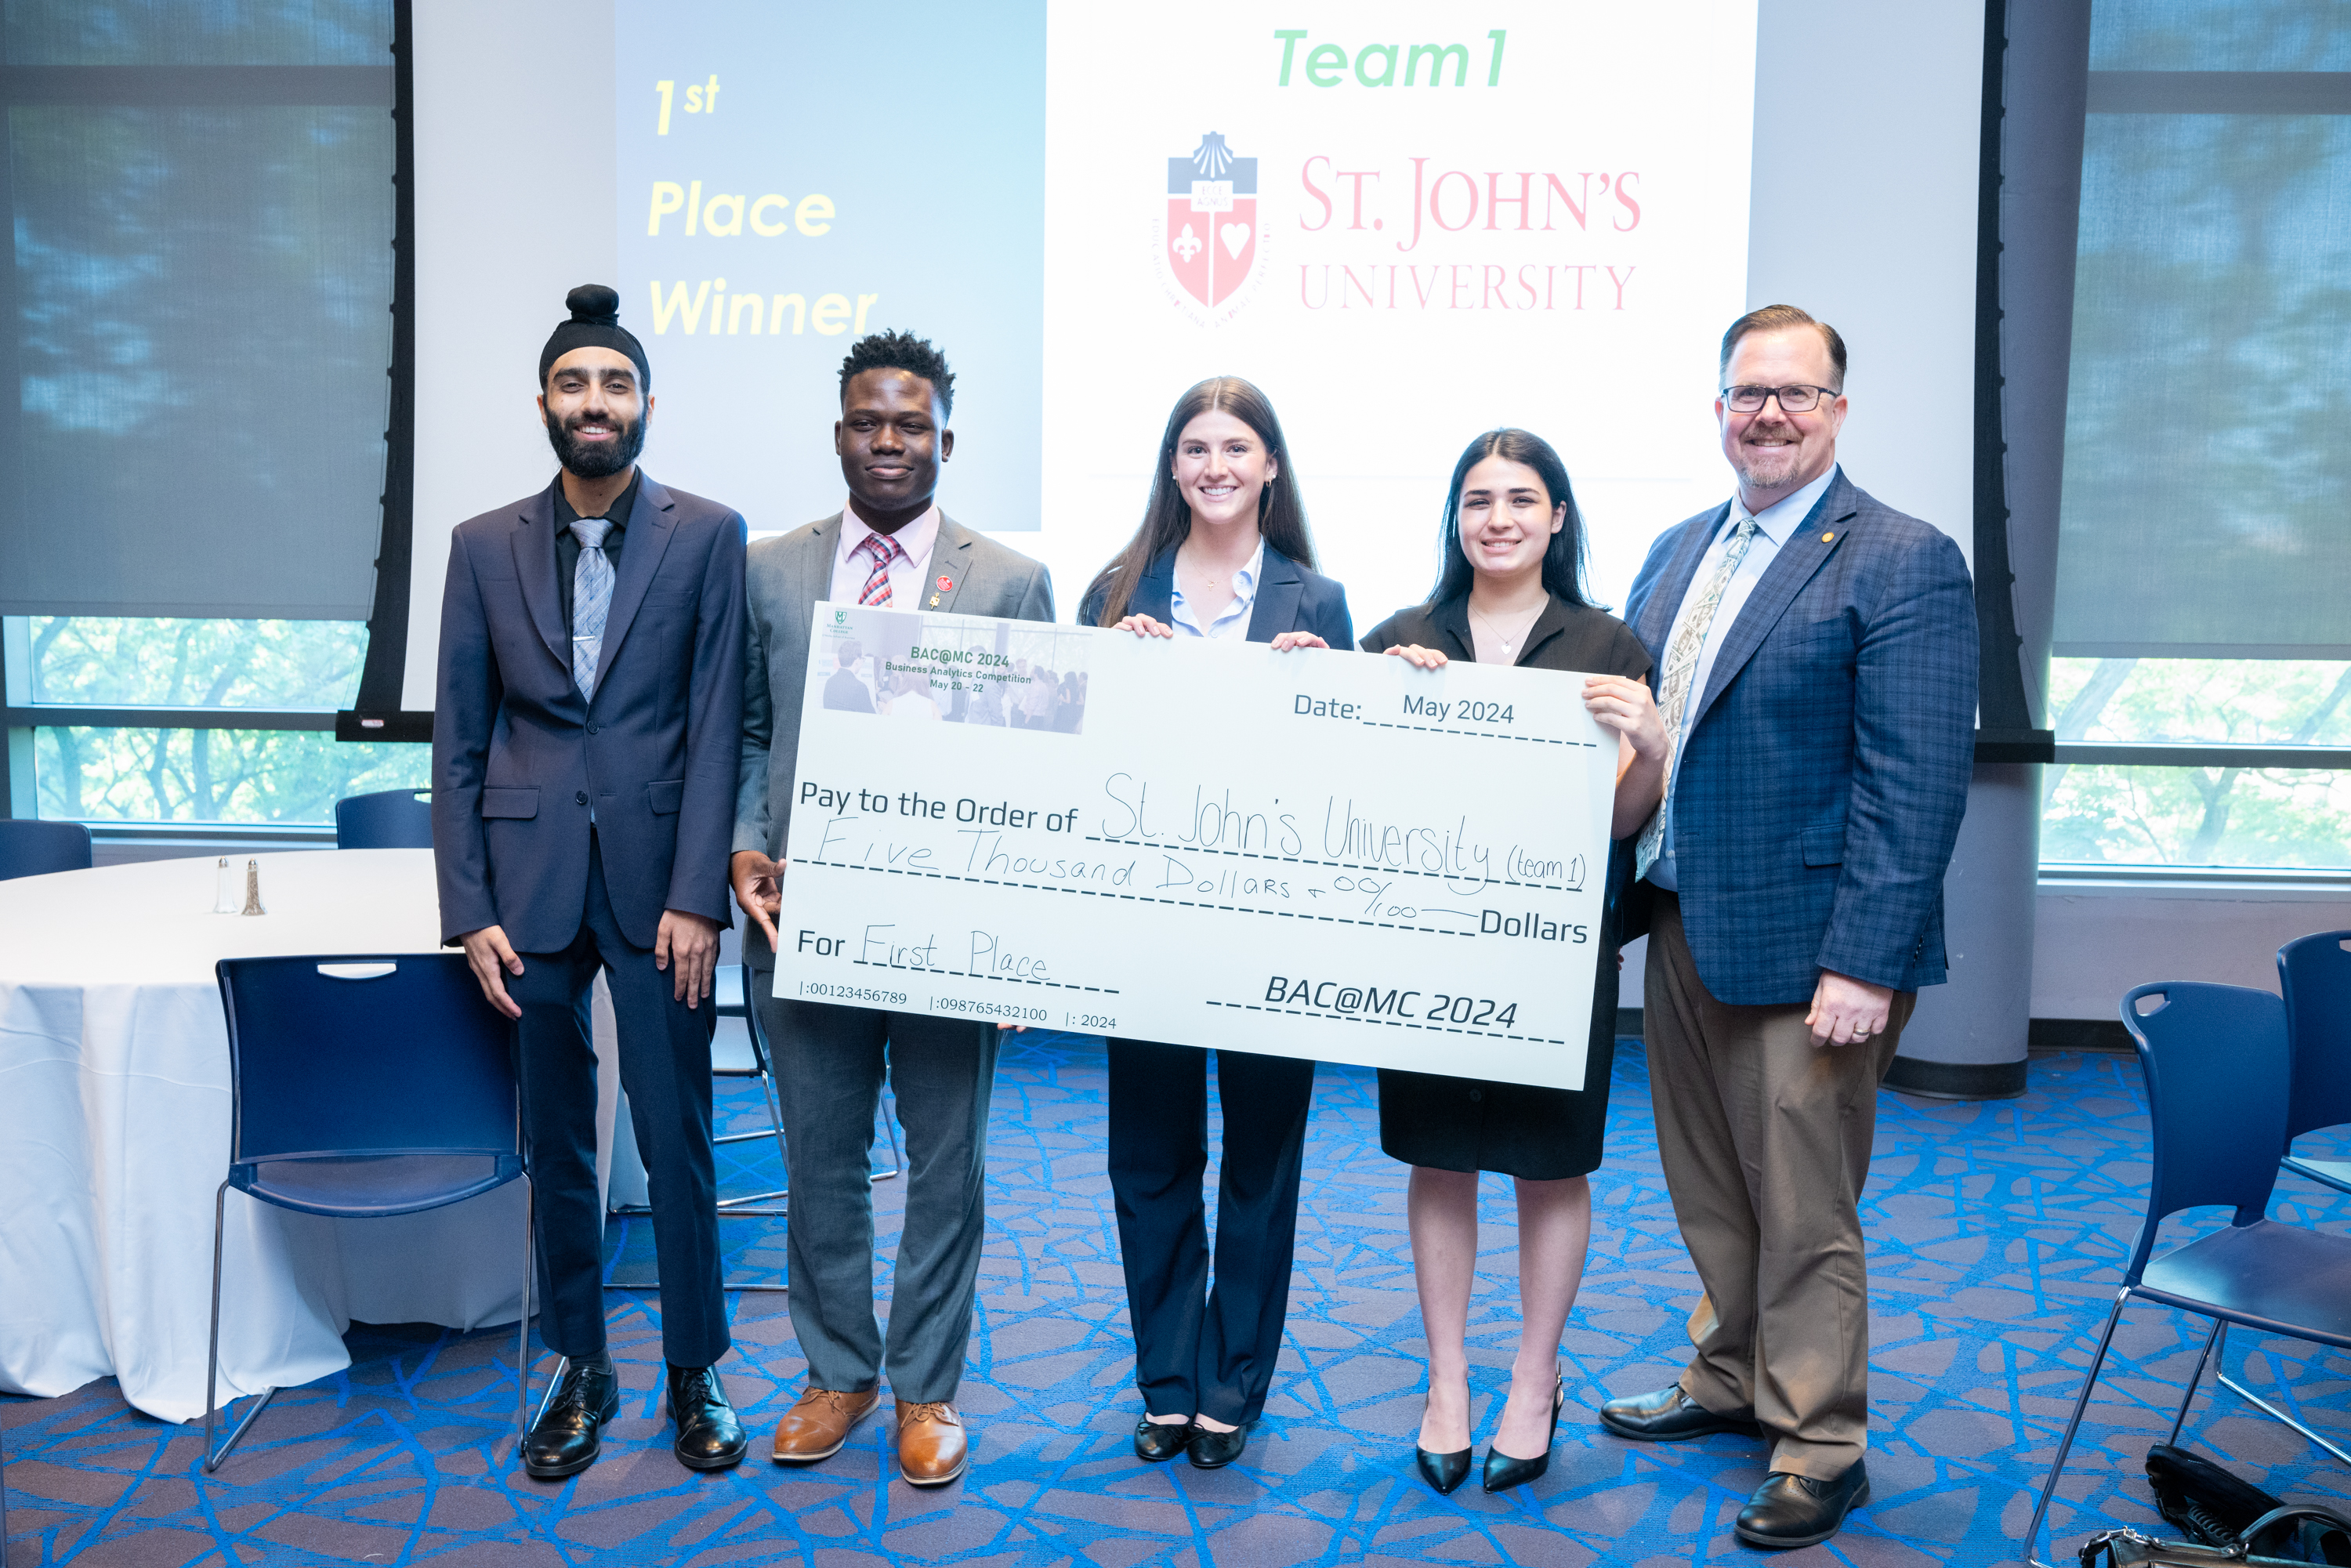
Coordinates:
<point>1816,652</point>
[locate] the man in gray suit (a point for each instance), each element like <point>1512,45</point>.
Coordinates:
<point>890,546</point>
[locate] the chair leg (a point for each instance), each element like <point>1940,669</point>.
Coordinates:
<point>767,1075</point>
<point>2066,1446</point>
<point>212,1359</point>
<point>522,1329</point>
<point>890,1125</point>
<point>2250,1398</point>
<point>2212,1343</point>
<point>562,1366</point>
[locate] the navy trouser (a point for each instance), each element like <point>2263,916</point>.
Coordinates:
<point>1197,1350</point>
<point>665,1068</point>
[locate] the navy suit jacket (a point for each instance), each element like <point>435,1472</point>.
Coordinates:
<point>517,754</point>
<point>1827,761</point>
<point>1289,598</point>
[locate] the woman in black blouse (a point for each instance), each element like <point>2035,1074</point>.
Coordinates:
<point>1510,592</point>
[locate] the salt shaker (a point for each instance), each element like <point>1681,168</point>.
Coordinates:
<point>252,889</point>
<point>224,899</point>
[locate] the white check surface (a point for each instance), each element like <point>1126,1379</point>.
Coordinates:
<point>1309,854</point>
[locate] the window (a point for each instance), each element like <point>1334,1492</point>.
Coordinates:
<point>280,672</point>
<point>2239,809</point>
<point>203,213</point>
<point>2200,688</point>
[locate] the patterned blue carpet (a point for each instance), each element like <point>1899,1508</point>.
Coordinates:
<point>1997,1234</point>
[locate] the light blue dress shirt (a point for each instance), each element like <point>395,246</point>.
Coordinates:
<point>1774,525</point>
<point>1232,622</point>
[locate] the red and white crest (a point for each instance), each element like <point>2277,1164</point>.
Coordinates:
<point>1209,244</point>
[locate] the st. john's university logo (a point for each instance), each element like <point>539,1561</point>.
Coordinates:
<point>1209,244</point>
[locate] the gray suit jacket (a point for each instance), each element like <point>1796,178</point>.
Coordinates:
<point>786,579</point>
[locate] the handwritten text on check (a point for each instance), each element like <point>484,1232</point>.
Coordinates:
<point>1311,853</point>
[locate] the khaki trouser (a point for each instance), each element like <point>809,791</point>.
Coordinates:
<point>1765,1140</point>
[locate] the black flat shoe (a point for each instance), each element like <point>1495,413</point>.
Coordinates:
<point>1669,1416</point>
<point>1156,1442</point>
<point>1214,1450</point>
<point>1796,1510</point>
<point>568,1435</point>
<point>1503,1472</point>
<point>709,1437</point>
<point>1443,1472</point>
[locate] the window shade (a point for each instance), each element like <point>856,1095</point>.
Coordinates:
<point>201,277</point>
<point>2207,475</point>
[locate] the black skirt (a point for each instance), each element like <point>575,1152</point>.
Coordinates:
<point>1539,1135</point>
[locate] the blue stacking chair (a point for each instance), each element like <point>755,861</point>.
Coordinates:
<point>2217,1071</point>
<point>387,819</point>
<point>2315,972</point>
<point>364,1087</point>
<point>37,849</point>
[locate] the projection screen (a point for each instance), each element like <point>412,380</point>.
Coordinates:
<point>1406,224</point>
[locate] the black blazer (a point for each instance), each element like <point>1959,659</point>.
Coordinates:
<point>1289,598</point>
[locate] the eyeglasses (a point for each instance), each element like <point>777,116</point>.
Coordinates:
<point>1793,400</point>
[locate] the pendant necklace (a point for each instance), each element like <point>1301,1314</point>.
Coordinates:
<point>1510,644</point>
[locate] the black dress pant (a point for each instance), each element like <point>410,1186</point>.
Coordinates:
<point>665,1068</point>
<point>1199,1349</point>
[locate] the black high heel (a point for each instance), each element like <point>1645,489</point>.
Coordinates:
<point>1443,1472</point>
<point>1503,1472</point>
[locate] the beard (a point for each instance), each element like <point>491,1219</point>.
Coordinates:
<point>1769,469</point>
<point>596,460</point>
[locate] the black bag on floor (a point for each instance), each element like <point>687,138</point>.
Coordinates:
<point>2227,1521</point>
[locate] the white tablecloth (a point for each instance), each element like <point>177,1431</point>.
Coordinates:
<point>114,1126</point>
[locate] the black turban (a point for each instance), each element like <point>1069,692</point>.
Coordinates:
<point>595,324</point>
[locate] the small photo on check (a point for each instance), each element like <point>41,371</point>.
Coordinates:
<point>896,663</point>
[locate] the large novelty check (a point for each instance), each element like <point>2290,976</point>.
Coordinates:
<point>1308,854</point>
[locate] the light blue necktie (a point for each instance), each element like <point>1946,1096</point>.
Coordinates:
<point>591,600</point>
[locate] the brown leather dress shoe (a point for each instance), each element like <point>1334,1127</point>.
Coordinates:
<point>819,1422</point>
<point>932,1450</point>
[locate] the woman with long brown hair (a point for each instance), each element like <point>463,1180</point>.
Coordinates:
<point>1223,553</point>
<point>1509,591</point>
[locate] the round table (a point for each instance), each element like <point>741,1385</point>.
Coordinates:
<point>114,1073</point>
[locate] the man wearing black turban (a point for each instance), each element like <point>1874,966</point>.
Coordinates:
<point>589,714</point>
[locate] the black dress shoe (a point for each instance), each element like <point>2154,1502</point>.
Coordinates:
<point>709,1437</point>
<point>1214,1450</point>
<point>1156,1442</point>
<point>564,1440</point>
<point>1503,1472</point>
<point>1797,1511</point>
<point>1669,1416</point>
<point>1442,1472</point>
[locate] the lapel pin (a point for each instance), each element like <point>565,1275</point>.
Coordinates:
<point>1827,537</point>
<point>935,601</point>
<point>946,582</point>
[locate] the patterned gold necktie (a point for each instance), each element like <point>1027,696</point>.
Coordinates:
<point>1681,668</point>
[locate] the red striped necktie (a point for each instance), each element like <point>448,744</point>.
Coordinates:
<point>883,550</point>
